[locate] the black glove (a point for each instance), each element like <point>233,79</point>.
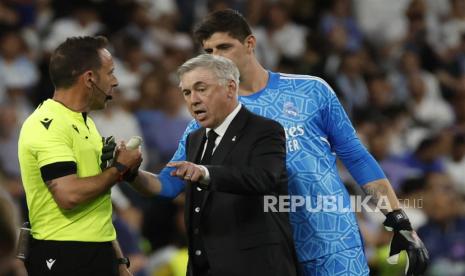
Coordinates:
<point>131,175</point>
<point>406,239</point>
<point>108,152</point>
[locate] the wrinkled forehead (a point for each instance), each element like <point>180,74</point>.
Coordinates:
<point>196,76</point>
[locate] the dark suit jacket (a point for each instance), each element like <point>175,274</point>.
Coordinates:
<point>239,237</point>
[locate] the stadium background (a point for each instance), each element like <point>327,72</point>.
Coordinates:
<point>398,67</point>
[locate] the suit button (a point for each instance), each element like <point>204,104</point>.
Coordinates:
<point>196,231</point>
<point>198,252</point>
<point>198,189</point>
<point>197,209</point>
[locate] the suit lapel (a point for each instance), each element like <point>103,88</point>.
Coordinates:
<point>231,137</point>
<point>196,140</point>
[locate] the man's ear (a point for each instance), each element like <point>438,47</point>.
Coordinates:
<point>232,88</point>
<point>88,78</point>
<point>250,42</point>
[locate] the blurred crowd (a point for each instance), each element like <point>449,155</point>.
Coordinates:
<point>397,66</point>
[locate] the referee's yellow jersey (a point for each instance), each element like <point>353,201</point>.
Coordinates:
<point>54,135</point>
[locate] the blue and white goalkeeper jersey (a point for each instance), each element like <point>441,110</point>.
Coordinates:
<point>317,130</point>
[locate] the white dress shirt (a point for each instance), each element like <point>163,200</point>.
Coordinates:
<point>220,130</point>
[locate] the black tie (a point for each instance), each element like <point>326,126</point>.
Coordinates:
<point>207,156</point>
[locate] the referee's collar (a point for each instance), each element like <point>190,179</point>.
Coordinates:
<point>62,108</point>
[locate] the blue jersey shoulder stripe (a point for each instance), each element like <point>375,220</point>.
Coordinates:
<point>285,76</point>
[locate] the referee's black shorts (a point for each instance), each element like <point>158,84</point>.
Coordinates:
<point>71,258</point>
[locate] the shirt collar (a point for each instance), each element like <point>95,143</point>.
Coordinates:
<point>221,129</point>
<point>273,83</point>
<point>59,106</point>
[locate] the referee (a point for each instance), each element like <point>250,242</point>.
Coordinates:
<point>68,196</point>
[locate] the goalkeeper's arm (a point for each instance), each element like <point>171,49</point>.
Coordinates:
<point>146,183</point>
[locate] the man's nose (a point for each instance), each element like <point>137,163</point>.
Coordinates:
<point>194,98</point>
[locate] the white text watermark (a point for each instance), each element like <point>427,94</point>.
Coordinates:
<point>328,203</point>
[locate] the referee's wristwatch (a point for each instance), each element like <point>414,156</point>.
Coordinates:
<point>124,261</point>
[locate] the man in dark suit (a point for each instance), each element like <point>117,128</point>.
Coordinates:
<point>233,160</point>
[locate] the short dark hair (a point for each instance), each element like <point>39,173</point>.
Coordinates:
<point>73,57</point>
<point>225,21</point>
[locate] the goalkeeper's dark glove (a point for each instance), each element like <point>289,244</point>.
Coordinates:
<point>405,238</point>
<point>108,152</point>
<point>131,175</point>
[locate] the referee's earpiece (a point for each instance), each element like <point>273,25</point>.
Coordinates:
<point>107,97</point>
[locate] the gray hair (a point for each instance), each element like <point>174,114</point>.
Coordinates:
<point>223,68</point>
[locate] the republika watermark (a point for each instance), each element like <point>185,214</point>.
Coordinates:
<point>330,203</point>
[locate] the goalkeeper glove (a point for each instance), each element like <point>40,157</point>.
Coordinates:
<point>131,175</point>
<point>108,152</point>
<point>405,238</point>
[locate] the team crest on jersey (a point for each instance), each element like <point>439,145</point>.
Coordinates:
<point>290,109</point>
